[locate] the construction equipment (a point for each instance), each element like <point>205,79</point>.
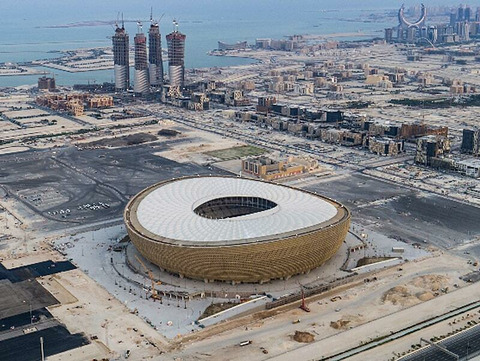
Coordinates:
<point>153,290</point>
<point>304,306</point>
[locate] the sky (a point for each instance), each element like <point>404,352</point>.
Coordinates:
<point>44,11</point>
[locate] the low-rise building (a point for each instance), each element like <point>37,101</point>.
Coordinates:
<point>376,79</point>
<point>425,79</point>
<point>384,146</point>
<point>46,83</point>
<point>247,85</point>
<point>337,88</point>
<point>304,88</point>
<point>413,130</point>
<point>75,107</point>
<point>199,101</point>
<point>457,87</point>
<point>263,43</point>
<point>429,147</point>
<point>331,135</point>
<point>469,167</point>
<point>269,169</point>
<point>264,103</point>
<point>100,102</point>
<point>352,138</point>
<point>236,98</point>
<point>471,141</point>
<point>69,102</point>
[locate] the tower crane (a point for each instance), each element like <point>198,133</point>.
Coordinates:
<point>153,291</point>
<point>304,306</point>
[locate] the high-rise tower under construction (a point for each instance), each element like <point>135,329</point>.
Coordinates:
<point>155,63</point>
<point>176,56</point>
<point>142,84</point>
<point>121,58</point>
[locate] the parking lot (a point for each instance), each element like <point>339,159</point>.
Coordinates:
<point>24,317</point>
<point>27,347</point>
<point>72,187</point>
<point>403,213</point>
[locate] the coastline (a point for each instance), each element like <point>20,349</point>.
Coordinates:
<point>90,61</point>
<point>234,55</point>
<point>35,72</point>
<point>253,54</point>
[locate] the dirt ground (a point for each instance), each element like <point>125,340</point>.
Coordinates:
<point>122,141</point>
<point>359,306</point>
<point>196,151</point>
<point>236,152</point>
<point>99,314</point>
<point>419,289</point>
<point>216,308</point>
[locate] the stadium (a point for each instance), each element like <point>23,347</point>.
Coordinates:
<point>218,228</point>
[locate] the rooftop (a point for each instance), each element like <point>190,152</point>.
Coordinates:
<point>470,162</point>
<point>227,209</point>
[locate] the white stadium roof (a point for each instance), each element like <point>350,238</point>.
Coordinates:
<point>168,210</point>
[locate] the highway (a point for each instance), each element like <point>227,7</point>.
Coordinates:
<point>465,344</point>
<point>271,334</point>
<point>407,331</point>
<point>253,138</point>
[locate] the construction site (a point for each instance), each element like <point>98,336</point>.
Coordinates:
<point>353,244</point>
<point>383,261</point>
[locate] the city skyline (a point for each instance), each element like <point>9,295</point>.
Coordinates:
<point>148,67</point>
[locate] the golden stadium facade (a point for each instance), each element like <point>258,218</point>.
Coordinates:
<point>219,228</point>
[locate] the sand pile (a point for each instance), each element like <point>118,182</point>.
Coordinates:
<point>305,337</point>
<point>345,322</point>
<point>339,324</point>
<point>425,296</point>
<point>433,283</point>
<point>398,295</point>
<point>419,289</point>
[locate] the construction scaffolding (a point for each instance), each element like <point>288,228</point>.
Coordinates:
<point>142,83</point>
<point>176,56</point>
<point>121,58</point>
<point>155,54</point>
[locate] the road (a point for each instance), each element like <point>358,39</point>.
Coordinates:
<point>465,345</point>
<point>61,114</point>
<point>405,332</point>
<point>274,333</point>
<point>256,139</point>
<point>18,332</point>
<point>302,148</point>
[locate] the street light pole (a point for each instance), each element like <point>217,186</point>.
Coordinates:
<point>106,333</point>
<point>41,348</point>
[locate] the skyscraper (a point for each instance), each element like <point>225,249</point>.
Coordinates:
<point>471,141</point>
<point>460,13</point>
<point>121,58</point>
<point>142,84</point>
<point>467,13</point>
<point>155,65</point>
<point>176,56</point>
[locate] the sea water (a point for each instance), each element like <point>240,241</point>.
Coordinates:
<point>39,29</point>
